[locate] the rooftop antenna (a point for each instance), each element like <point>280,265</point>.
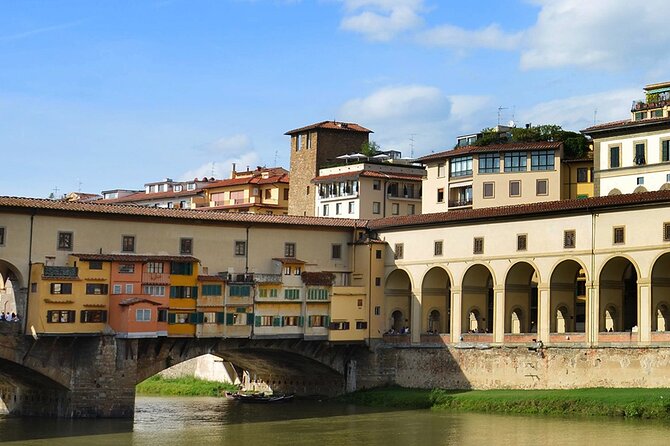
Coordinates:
<point>595,115</point>
<point>212,169</point>
<point>276,153</point>
<point>411,145</point>
<point>79,183</point>
<point>500,109</point>
<point>55,192</point>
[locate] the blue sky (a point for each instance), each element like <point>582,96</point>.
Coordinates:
<point>105,95</point>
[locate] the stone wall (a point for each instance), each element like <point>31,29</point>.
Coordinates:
<point>515,368</point>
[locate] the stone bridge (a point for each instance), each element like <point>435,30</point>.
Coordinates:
<point>95,376</point>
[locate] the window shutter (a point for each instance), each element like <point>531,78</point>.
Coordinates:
<point>71,316</point>
<point>220,317</point>
<point>173,291</point>
<point>104,316</point>
<point>172,318</point>
<point>230,318</point>
<point>301,321</point>
<point>276,321</point>
<point>326,321</point>
<point>258,321</point>
<point>200,317</point>
<point>194,292</point>
<point>250,318</point>
<point>309,321</point>
<point>192,318</point>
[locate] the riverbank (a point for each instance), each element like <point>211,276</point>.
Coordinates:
<point>629,403</point>
<point>186,386</point>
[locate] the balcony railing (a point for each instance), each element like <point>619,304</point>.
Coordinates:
<point>267,278</point>
<point>642,105</point>
<point>460,203</point>
<point>409,196</point>
<point>239,277</point>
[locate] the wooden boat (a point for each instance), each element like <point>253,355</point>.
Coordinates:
<point>259,398</point>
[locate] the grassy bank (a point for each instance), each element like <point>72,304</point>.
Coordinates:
<point>632,403</point>
<point>187,386</point>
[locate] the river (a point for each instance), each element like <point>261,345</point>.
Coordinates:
<point>163,421</point>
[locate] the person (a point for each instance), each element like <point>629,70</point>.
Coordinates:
<point>2,316</point>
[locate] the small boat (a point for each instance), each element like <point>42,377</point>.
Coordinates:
<point>260,397</point>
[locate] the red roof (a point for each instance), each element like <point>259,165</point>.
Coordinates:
<point>508,147</point>
<point>547,207</point>
<point>250,179</point>
<point>206,278</point>
<point>136,300</point>
<point>134,258</point>
<point>143,196</point>
<point>331,125</point>
<point>625,124</point>
<point>42,204</point>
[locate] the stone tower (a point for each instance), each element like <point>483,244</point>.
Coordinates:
<point>311,148</point>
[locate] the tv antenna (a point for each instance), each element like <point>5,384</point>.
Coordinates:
<point>213,164</point>
<point>500,109</point>
<point>411,145</point>
<point>79,183</point>
<point>595,115</point>
<point>275,163</point>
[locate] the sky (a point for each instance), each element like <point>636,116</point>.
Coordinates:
<point>115,94</point>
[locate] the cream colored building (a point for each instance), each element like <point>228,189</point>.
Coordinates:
<point>475,177</point>
<point>368,190</point>
<point>634,155</point>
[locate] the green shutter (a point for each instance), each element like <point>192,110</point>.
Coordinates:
<point>250,318</point>
<point>220,317</point>
<point>172,318</point>
<point>200,317</point>
<point>258,321</point>
<point>301,321</point>
<point>104,316</point>
<point>230,318</point>
<point>309,321</point>
<point>192,318</point>
<point>240,310</point>
<point>246,291</point>
<point>194,292</point>
<point>276,321</point>
<point>326,321</point>
<point>72,315</point>
<point>173,291</point>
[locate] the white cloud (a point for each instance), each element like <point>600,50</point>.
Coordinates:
<point>381,20</point>
<point>237,149</point>
<point>598,34</point>
<point>492,37</point>
<point>396,102</point>
<point>578,112</point>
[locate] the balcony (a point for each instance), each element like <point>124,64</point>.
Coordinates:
<point>460,203</point>
<point>244,278</point>
<point>267,278</point>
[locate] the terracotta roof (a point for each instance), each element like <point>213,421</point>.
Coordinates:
<point>331,125</point>
<point>624,124</point>
<point>508,147</point>
<point>136,300</point>
<point>291,260</point>
<point>257,179</point>
<point>369,174</point>
<point>206,278</point>
<point>227,207</point>
<point>134,258</point>
<point>122,210</point>
<point>548,207</point>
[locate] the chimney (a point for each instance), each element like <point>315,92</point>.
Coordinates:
<point>232,174</point>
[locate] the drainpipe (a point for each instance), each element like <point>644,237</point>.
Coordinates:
<point>385,198</point>
<point>24,317</point>
<point>595,318</point>
<point>369,293</point>
<point>246,251</point>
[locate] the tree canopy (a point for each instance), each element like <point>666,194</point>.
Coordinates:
<point>575,144</point>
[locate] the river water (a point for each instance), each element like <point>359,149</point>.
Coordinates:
<point>161,421</point>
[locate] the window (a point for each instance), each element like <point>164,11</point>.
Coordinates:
<point>639,180</point>
<point>378,281</point>
<point>143,315</point>
<point>317,321</point>
<point>489,163</point>
<point>326,210</point>
<point>289,249</point>
<point>411,210</point>
<point>116,289</point>
<point>440,195</point>
<point>128,243</point>
<point>376,184</point>
<point>287,270</point>
<point>298,142</point>
<point>378,253</point>
<point>395,209</point>
<point>378,310</point>
<point>183,292</point>
<point>460,166</point>
<point>309,141</point>
<point>211,290</point>
<point>239,290</point>
<point>541,187</point>
<point>297,270</point>
<point>286,194</point>
<point>515,161</point>
<point>291,321</point>
<point>153,290</point>
<point>437,248</point>
<point>666,232</point>
<point>61,288</point>
<point>339,325</point>
<point>521,242</point>
<point>65,241</point>
<point>179,318</point>
<point>336,251</point>
<point>93,316</point>
<point>210,317</point>
<point>542,160</point>
<point>2,236</point>
<point>338,208</point>
<point>361,325</point>
<point>181,268</point>
<point>292,294</point>
<point>240,248</point>
<point>619,235</point>
<point>33,287</point>
<point>569,238</point>
<point>376,207</point>
<point>264,321</point>
<point>399,251</point>
<point>665,150</point>
<point>127,268</point>
<point>582,175</point>
<point>478,245</point>
<point>129,288</point>
<point>177,188</point>
<point>441,170</point>
<point>96,288</point>
<point>317,294</point>
<point>155,267</point>
<point>352,207</point>
<point>61,316</point>
<point>656,114</point>
<point>614,157</point>
<point>489,190</point>
<point>94,265</point>
<point>186,246</point>
<point>268,194</point>
<point>640,157</point>
<point>640,115</point>
<point>515,188</point>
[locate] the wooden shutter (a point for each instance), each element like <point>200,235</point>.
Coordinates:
<point>172,318</point>
<point>250,318</point>
<point>230,318</point>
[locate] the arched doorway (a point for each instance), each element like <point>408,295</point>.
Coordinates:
<point>477,315</point>
<point>398,301</point>
<point>660,294</point>
<point>521,299</point>
<point>567,298</point>
<point>436,301</point>
<point>10,287</point>
<point>618,296</point>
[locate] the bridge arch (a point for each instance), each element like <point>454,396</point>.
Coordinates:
<point>11,283</point>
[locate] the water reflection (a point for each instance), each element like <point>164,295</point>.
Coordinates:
<point>215,421</point>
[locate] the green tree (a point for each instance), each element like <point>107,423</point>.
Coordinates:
<point>370,148</point>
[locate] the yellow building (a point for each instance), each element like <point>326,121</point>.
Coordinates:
<point>182,316</point>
